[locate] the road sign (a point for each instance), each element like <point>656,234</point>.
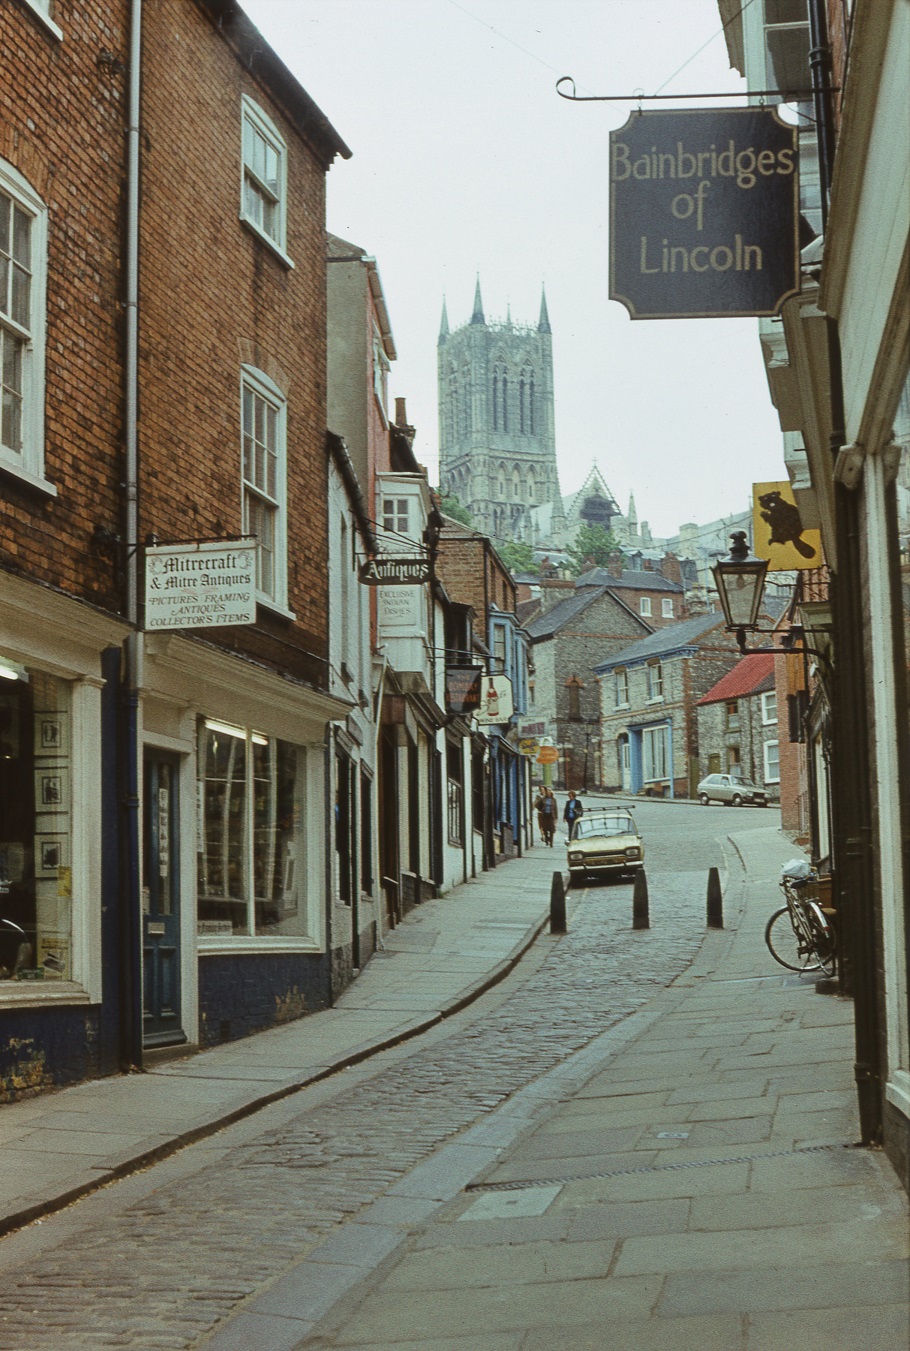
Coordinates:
<point>547,755</point>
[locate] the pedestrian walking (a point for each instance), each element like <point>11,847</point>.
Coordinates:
<point>546,808</point>
<point>573,810</point>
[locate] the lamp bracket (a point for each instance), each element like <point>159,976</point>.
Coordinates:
<point>848,467</point>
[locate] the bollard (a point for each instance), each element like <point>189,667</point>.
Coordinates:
<point>715,900</point>
<point>558,905</point>
<point>640,916</point>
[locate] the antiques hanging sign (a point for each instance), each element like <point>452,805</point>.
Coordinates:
<point>704,213</point>
<point>194,586</point>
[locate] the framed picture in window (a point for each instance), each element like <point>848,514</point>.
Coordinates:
<point>50,735</point>
<point>51,854</point>
<point>52,789</point>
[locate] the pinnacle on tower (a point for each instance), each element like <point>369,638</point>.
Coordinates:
<point>544,324</point>
<point>444,324</point>
<point>477,316</point>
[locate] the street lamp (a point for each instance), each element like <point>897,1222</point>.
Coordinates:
<point>740,582</point>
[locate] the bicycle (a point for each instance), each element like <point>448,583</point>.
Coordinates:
<point>801,935</point>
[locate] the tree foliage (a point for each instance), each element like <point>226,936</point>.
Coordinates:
<point>451,506</point>
<point>517,556</point>
<point>594,545</point>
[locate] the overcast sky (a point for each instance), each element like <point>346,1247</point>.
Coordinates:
<point>466,161</point>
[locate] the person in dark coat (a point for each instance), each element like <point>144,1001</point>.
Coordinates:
<point>545,806</point>
<point>573,811</point>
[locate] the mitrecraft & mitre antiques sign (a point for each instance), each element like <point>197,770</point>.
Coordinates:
<point>704,213</point>
<point>194,586</point>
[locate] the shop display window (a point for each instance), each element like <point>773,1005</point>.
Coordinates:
<point>250,862</point>
<point>36,776</point>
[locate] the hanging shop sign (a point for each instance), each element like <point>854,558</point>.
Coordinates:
<point>495,700</point>
<point>778,533</point>
<point>530,729</point>
<point>392,571</point>
<point>199,586</point>
<point>463,689</point>
<point>529,745</point>
<point>547,755</point>
<point>704,213</point>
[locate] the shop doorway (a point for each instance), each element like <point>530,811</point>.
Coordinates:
<point>161,1020</point>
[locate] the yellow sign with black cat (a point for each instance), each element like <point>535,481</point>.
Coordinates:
<point>778,533</point>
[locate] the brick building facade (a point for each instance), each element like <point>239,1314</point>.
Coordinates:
<point>165,832</point>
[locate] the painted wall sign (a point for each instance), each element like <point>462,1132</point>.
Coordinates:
<point>391,571</point>
<point>777,530</point>
<point>704,213</point>
<point>463,688</point>
<point>196,586</point>
<point>495,700</point>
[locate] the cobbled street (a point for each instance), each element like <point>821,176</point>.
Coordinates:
<point>158,1260</point>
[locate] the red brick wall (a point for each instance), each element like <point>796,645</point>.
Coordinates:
<point>461,568</point>
<point>214,296</point>
<point>62,126</point>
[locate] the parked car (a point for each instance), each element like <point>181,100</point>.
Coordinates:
<point>730,789</point>
<point>604,842</point>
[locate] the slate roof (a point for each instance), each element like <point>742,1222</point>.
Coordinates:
<point>753,675</point>
<point>668,639</point>
<point>632,579</point>
<point>545,625</point>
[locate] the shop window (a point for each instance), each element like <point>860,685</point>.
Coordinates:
<point>366,833</point>
<point>655,754</point>
<point>36,782</point>
<point>251,841</point>
<point>455,795</point>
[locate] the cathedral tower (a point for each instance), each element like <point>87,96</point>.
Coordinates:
<point>497,447</point>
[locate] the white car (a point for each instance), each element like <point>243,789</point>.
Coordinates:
<point>730,789</point>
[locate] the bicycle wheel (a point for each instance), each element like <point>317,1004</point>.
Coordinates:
<point>824,938</point>
<point>785,947</point>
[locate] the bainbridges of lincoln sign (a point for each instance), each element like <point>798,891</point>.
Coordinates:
<point>704,213</point>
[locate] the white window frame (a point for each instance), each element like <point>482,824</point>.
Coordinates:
<point>262,387</point>
<point>28,464</point>
<point>621,688</point>
<point>395,521</point>
<point>769,702</point>
<point>261,124</point>
<point>772,772</point>
<point>644,606</point>
<point>666,607</point>
<point>42,11</point>
<point>655,678</point>
<point>651,738</point>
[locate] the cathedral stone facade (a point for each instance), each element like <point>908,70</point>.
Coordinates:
<point>497,447</point>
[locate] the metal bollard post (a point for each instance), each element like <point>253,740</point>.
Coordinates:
<point>715,900</point>
<point>558,905</point>
<point>640,916</point>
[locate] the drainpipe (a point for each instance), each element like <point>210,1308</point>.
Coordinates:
<point>131,926</point>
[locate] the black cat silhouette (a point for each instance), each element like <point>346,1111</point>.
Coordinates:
<point>785,522</point>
